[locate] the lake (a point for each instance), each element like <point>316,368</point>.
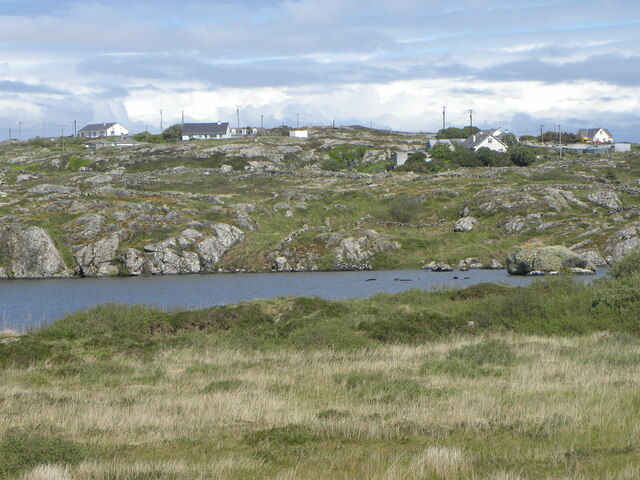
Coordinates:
<point>27,303</point>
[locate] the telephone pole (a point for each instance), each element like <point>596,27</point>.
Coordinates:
<point>560,140</point>
<point>297,120</point>
<point>444,117</point>
<point>161,129</point>
<point>470,118</point>
<point>542,134</point>
<point>238,114</point>
<point>183,119</point>
<point>19,130</point>
<point>75,127</point>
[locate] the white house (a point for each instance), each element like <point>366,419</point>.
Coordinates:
<point>96,130</point>
<point>595,135</point>
<point>299,133</point>
<point>206,131</point>
<point>485,139</point>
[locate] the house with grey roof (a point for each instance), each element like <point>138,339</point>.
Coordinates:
<point>97,130</point>
<point>485,139</point>
<point>595,135</point>
<point>206,131</point>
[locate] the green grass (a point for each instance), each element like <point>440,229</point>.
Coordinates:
<point>486,382</point>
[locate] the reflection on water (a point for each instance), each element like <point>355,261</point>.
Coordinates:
<point>25,303</point>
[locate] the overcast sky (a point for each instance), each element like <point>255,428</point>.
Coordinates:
<point>391,64</point>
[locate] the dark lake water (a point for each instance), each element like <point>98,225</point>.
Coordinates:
<point>27,303</point>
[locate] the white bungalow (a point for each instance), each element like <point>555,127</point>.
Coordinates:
<point>595,135</point>
<point>97,130</point>
<point>206,131</point>
<point>485,139</point>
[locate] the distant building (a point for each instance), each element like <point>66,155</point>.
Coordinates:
<point>97,130</point>
<point>621,147</point>
<point>298,133</point>
<point>595,135</point>
<point>486,139</point>
<point>238,132</point>
<point>206,131</point>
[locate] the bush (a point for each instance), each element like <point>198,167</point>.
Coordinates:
<point>223,386</point>
<point>375,387</point>
<point>494,352</point>
<point>522,156</point>
<point>21,451</point>
<point>626,266</point>
<point>288,435</point>
<point>328,335</point>
<point>403,209</point>
<point>173,133</point>
<point>75,163</point>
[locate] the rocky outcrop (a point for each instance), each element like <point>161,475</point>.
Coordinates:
<point>605,199</point>
<point>192,251</point>
<point>30,252</point>
<point>359,250</point>
<point>98,258</point>
<point>465,224</point>
<point>623,242</point>
<point>539,258</point>
<point>46,188</point>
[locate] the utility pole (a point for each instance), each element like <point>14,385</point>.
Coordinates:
<point>444,117</point>
<point>261,122</point>
<point>297,120</point>
<point>19,130</point>
<point>44,129</point>
<point>62,138</point>
<point>75,126</point>
<point>238,114</point>
<point>470,118</point>
<point>334,125</point>
<point>542,134</point>
<point>560,140</point>
<point>9,134</point>
<point>183,119</point>
<point>161,129</point>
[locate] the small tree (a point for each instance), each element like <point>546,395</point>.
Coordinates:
<point>521,156</point>
<point>173,133</point>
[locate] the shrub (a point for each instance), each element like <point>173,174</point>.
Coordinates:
<point>287,435</point>
<point>403,209</point>
<point>522,156</point>
<point>491,351</point>
<point>328,335</point>
<point>626,266</point>
<point>75,163</point>
<point>21,451</point>
<point>376,387</point>
<point>223,386</point>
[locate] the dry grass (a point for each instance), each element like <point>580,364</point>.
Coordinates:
<point>567,408</point>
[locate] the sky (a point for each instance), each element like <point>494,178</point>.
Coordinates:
<point>517,64</point>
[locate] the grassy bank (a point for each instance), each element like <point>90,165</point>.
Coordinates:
<point>489,382</point>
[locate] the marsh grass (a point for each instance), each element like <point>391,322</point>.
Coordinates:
<point>543,384</point>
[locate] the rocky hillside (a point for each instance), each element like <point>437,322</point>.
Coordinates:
<point>275,203</point>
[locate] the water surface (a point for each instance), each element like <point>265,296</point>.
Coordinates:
<point>26,303</point>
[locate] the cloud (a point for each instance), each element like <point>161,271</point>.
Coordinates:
<point>395,63</point>
<point>9,86</point>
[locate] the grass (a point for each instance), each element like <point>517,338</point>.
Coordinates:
<point>486,382</point>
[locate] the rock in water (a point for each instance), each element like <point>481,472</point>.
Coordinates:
<point>31,253</point>
<point>538,258</point>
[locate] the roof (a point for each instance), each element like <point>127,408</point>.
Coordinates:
<point>591,132</point>
<point>473,141</point>
<point>97,126</point>
<point>218,128</point>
